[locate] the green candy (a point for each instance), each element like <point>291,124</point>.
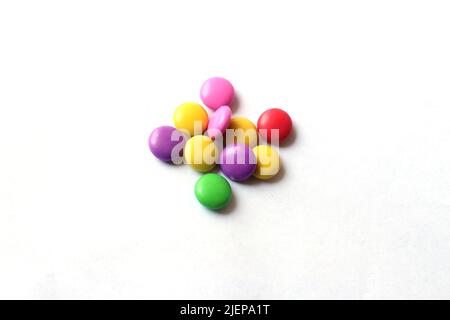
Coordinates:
<point>213,191</point>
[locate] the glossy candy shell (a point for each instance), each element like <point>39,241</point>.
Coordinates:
<point>245,131</point>
<point>275,119</point>
<point>187,114</point>
<point>216,92</point>
<point>238,162</point>
<point>267,162</point>
<point>201,153</point>
<point>213,191</point>
<point>219,121</point>
<point>161,144</point>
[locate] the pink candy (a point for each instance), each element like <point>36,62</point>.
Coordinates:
<point>217,92</point>
<point>219,121</point>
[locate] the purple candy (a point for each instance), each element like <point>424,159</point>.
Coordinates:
<point>238,161</point>
<point>161,144</point>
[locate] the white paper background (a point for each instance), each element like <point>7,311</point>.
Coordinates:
<point>361,211</point>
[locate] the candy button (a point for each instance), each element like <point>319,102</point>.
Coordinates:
<point>218,121</point>
<point>217,92</point>
<point>238,162</point>
<point>165,140</point>
<point>213,191</point>
<point>267,162</point>
<point>274,119</point>
<point>201,153</point>
<point>191,117</point>
<point>242,130</point>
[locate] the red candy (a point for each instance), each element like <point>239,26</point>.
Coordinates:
<point>275,119</point>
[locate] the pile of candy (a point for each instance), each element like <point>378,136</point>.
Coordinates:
<point>198,140</point>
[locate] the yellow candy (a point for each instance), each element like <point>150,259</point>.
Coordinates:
<point>191,117</point>
<point>201,153</point>
<point>244,131</point>
<point>267,162</point>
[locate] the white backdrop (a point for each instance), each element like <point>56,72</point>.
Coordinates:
<point>362,209</point>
